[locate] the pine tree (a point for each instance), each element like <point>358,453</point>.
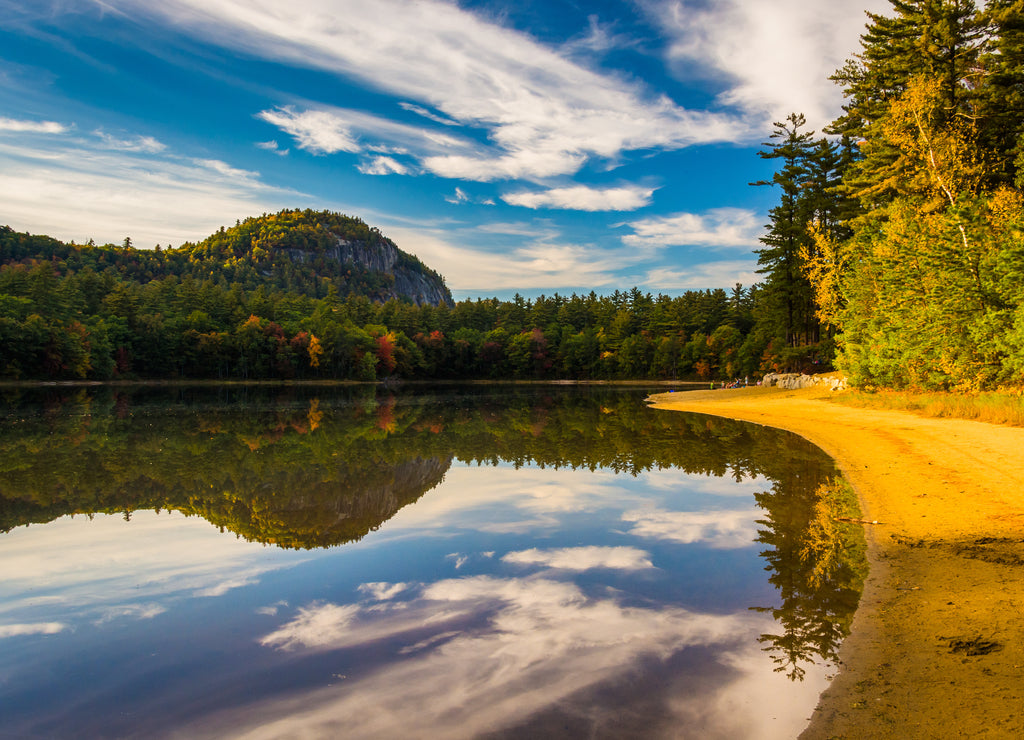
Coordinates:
<point>1001,94</point>
<point>939,40</point>
<point>808,178</point>
<point>779,259</point>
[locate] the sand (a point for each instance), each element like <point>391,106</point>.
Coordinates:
<point>937,644</point>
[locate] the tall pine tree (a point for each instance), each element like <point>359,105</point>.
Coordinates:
<point>807,177</point>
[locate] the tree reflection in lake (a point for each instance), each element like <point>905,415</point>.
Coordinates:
<point>521,478</point>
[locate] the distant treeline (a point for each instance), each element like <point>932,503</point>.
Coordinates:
<point>103,312</point>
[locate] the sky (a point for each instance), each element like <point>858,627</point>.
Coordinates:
<point>530,147</point>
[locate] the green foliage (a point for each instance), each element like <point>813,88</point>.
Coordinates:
<point>307,467</point>
<point>787,313</point>
<point>69,312</point>
<point>923,279</point>
<point>253,458</point>
<point>818,565</point>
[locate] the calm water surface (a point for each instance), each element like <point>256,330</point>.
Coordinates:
<point>492,562</point>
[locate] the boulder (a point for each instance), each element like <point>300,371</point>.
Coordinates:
<point>792,381</point>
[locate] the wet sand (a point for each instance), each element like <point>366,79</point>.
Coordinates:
<point>937,645</point>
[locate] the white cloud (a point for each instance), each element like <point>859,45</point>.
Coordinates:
<point>459,559</point>
<point>502,499</point>
<point>776,56</point>
<point>328,130</point>
<point>721,227</point>
<point>272,146</point>
<point>583,558</point>
<point>531,229</point>
<point>421,111</point>
<point>223,168</point>
<point>316,131</point>
<point>383,166</point>
<point>726,529</point>
<point>459,196</point>
<point>540,264</point>
<point>544,261</point>
<point>235,580</point>
<point>544,115</point>
<point>704,276</point>
<point>316,626</point>
<point>133,611</point>
<point>583,198</point>
<point>32,127</point>
<point>34,628</point>
<point>146,144</point>
<point>383,591</point>
<point>106,568</point>
<point>534,644</point>
<point>599,38</point>
<point>108,194</point>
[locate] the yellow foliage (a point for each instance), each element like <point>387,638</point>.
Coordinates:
<point>316,351</point>
<point>825,268</point>
<point>824,543</point>
<point>1007,208</point>
<point>945,150</point>
<point>315,415</point>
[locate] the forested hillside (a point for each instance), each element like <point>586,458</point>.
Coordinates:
<point>238,306</point>
<point>901,233</point>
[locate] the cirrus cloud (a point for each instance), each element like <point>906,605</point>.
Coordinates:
<point>542,113</point>
<point>316,131</point>
<point>776,57</point>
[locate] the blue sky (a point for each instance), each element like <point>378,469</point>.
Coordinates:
<point>531,146</point>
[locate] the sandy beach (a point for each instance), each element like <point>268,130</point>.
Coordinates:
<point>937,646</point>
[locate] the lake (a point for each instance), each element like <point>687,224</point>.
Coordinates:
<point>488,561</point>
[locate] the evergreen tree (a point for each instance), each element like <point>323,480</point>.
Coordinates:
<point>1001,94</point>
<point>939,40</point>
<point>808,178</point>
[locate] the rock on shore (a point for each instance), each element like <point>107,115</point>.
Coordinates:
<point>792,381</point>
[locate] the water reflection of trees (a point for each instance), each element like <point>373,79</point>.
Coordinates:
<point>313,467</point>
<point>817,563</point>
<point>278,467</point>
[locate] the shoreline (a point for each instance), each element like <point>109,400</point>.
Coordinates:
<point>937,642</point>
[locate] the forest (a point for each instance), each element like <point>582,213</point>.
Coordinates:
<point>899,232</point>
<point>229,308</point>
<point>895,253</point>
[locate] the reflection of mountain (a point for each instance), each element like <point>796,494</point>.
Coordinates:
<point>331,512</point>
<point>291,510</point>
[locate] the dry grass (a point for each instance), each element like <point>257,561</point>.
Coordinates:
<point>994,408</point>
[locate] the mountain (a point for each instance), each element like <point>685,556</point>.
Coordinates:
<point>313,253</point>
<point>298,250</point>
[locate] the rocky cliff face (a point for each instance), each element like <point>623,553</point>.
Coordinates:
<point>409,281</point>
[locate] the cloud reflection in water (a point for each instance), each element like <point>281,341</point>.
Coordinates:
<point>725,529</point>
<point>534,645</point>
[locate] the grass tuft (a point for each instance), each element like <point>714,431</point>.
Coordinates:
<point>1005,407</point>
